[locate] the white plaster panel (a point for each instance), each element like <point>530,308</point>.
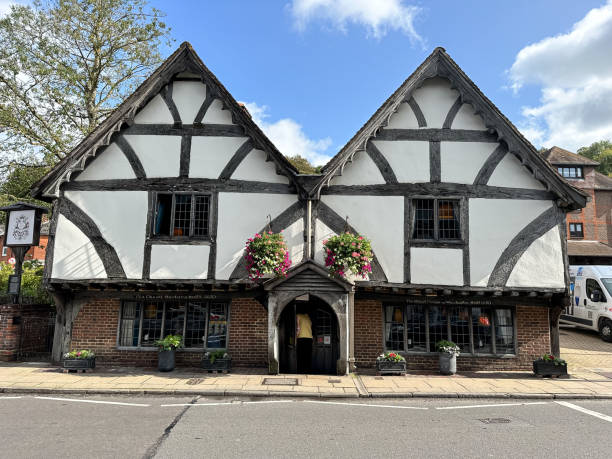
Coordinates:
<point>74,256</point>
<point>216,114</point>
<point>436,266</point>
<point>241,215</point>
<point>322,233</point>
<point>109,164</point>
<point>155,112</point>
<point>210,155</point>
<point>121,217</point>
<point>179,261</point>
<point>541,265</point>
<point>362,171</point>
<point>160,155</point>
<point>294,237</point>
<point>403,118</point>
<point>435,98</point>
<point>511,173</point>
<point>493,224</point>
<point>461,161</point>
<point>409,159</point>
<point>188,97</point>
<point>254,167</point>
<point>467,119</point>
<point>381,219</point>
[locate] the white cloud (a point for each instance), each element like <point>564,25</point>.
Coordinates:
<point>5,6</point>
<point>574,71</point>
<point>377,16</point>
<point>289,137</point>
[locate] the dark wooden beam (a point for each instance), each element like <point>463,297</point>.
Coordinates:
<point>437,135</point>
<point>417,112</point>
<point>217,130</point>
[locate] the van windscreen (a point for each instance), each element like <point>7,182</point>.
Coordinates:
<point>608,285</point>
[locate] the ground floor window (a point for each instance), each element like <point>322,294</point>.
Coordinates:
<point>476,330</point>
<point>203,324</point>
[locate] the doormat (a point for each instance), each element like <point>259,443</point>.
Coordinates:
<point>280,381</point>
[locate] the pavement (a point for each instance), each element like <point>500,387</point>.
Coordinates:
<point>589,363</point>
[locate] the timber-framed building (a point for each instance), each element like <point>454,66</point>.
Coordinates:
<point>152,210</point>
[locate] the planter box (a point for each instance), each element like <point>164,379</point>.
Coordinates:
<point>217,365</point>
<point>80,364</point>
<point>544,368</point>
<point>392,368</point>
<point>448,364</point>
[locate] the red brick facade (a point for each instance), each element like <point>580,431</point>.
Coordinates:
<point>35,253</point>
<point>30,319</point>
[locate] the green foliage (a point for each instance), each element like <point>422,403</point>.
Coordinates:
<point>391,357</point>
<point>82,354</point>
<point>266,253</point>
<point>303,165</point>
<point>553,359</point>
<point>31,281</point>
<point>214,355</point>
<point>64,65</point>
<point>16,186</point>
<point>348,252</point>
<point>602,153</point>
<point>170,343</point>
<point>447,347</point>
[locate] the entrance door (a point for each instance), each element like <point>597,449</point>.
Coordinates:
<point>325,341</point>
<point>287,341</point>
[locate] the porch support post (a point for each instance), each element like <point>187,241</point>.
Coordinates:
<point>273,366</point>
<point>554,314</point>
<point>67,309</point>
<point>351,331</point>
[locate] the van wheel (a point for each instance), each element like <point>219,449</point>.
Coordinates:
<point>605,330</point>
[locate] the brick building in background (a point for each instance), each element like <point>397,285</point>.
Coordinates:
<point>35,253</point>
<point>589,230</point>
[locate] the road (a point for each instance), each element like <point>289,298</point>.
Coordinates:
<point>180,427</point>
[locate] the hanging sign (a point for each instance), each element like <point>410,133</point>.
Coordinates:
<point>14,283</point>
<point>20,228</point>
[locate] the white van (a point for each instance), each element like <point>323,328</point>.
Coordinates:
<point>591,295</point>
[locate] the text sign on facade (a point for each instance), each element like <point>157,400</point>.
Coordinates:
<point>20,228</point>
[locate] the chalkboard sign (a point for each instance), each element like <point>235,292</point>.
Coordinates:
<point>14,282</point>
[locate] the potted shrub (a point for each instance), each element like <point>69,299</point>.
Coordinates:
<point>79,360</point>
<point>391,363</point>
<point>217,361</point>
<point>348,255</point>
<point>267,256</point>
<point>549,365</point>
<point>448,356</point>
<point>167,351</point>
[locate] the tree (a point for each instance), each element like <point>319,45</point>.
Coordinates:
<point>602,153</point>
<point>64,66</point>
<point>303,165</point>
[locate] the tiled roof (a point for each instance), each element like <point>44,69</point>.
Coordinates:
<point>559,156</point>
<point>588,249</point>
<point>602,182</point>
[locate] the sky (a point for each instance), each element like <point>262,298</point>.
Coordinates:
<point>312,72</point>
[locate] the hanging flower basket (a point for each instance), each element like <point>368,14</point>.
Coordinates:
<point>267,256</point>
<point>348,253</point>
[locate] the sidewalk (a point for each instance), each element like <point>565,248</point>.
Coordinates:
<point>44,378</point>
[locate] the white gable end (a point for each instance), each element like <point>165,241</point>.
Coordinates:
<point>155,112</point>
<point>188,97</point>
<point>216,115</point>
<point>461,161</point>
<point>179,261</point>
<point>409,159</point>
<point>160,155</point>
<point>403,118</point>
<point>362,171</point>
<point>435,98</point>
<point>110,164</point>
<point>322,233</point>
<point>254,167</point>
<point>511,173</point>
<point>210,155</point>
<point>467,119</point>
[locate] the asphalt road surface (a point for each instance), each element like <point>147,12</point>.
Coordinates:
<point>180,427</point>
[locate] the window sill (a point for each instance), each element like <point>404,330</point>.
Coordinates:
<point>406,354</point>
<point>189,350</point>
<point>431,243</point>
<point>178,241</point>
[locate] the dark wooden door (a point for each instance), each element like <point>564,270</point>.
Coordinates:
<point>325,342</point>
<point>286,341</point>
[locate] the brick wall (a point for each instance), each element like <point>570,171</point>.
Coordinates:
<point>96,325</point>
<point>37,252</point>
<point>33,321</point>
<point>532,334</point>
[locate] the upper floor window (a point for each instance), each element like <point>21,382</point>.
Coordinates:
<point>576,230</point>
<point>4,251</point>
<point>179,215</point>
<point>436,219</point>
<point>571,172</point>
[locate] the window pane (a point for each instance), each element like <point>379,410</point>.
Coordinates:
<point>200,226</point>
<point>394,328</point>
<point>460,328</point>
<point>175,319</point>
<point>504,331</point>
<point>448,219</point>
<point>423,219</point>
<point>182,214</point>
<point>151,323</point>
<point>572,172</point>
<point>415,328</point>
<point>163,213</point>
<point>217,326</point>
<point>196,325</point>
<point>579,172</point>
<point>130,324</point>
<point>481,326</point>
<point>438,326</point>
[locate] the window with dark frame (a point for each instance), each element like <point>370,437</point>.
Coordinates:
<point>182,215</point>
<point>574,172</point>
<point>575,230</point>
<point>436,219</point>
<point>476,330</point>
<point>203,324</point>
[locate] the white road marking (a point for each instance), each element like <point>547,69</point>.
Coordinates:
<point>91,401</point>
<point>363,404</point>
<point>269,401</point>
<point>605,417</point>
<point>228,403</point>
<point>488,406</point>
<point>4,398</point>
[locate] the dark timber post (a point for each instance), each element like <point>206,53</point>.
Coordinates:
<point>554,315</point>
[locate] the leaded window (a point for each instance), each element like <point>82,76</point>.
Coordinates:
<point>203,324</point>
<point>571,172</point>
<point>182,215</point>
<point>436,219</point>
<point>576,231</point>
<point>476,330</point>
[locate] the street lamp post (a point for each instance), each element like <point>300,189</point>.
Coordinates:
<point>22,231</point>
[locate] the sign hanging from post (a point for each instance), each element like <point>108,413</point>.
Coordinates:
<point>20,227</point>
<point>14,283</point>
